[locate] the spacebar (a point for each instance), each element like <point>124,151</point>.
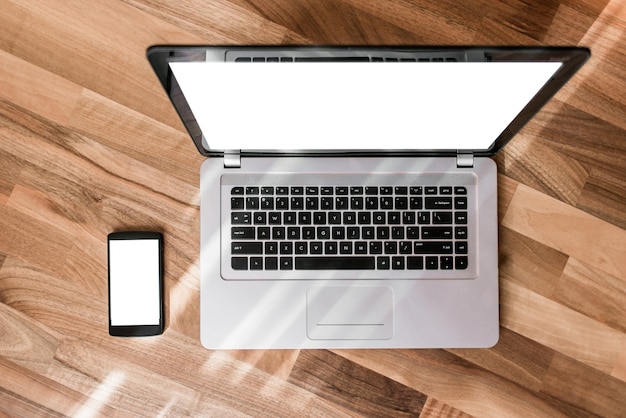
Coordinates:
<point>335,263</point>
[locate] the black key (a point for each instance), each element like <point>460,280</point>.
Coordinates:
<point>316,247</point>
<point>236,190</point>
<point>356,203</point>
<point>319,218</point>
<point>437,232</point>
<point>371,202</point>
<point>416,202</point>
<point>308,232</point>
<point>252,190</point>
<point>353,232</point>
<point>382,232</point>
<point>386,190</point>
<point>271,263</point>
<point>326,190</point>
<point>408,218</point>
<point>297,190</point>
<point>386,203</point>
<point>415,263</point>
<point>286,248</point>
<point>263,232</point>
<point>271,248</point>
<point>246,248</point>
<point>267,203</point>
<point>360,247</point>
<point>460,202</point>
<point>446,263</point>
<point>236,203</point>
<point>397,263</point>
<point>260,218</point>
<point>286,263</point>
<point>460,262</point>
<point>460,190</point>
<point>252,203</point>
<point>301,248</point>
<point>297,203</point>
<point>367,232</point>
<point>391,247</point>
<point>460,232</point>
<point>341,203</point>
<point>334,218</point>
<point>416,190</point>
<point>445,190</point>
<point>438,203</point>
<point>393,218</point>
<point>401,202</point>
<point>335,263</point>
<point>290,218</point>
<point>444,218</point>
<point>267,190</point>
<point>242,232</point>
<point>364,218</point>
<point>323,232</point>
<point>432,263</point>
<point>423,218</point>
<point>356,190</point>
<point>327,203</point>
<point>402,190</point>
<point>413,232</point>
<point>240,218</point>
<point>256,263</point>
<point>379,218</point>
<point>312,203</point>
<point>341,190</point>
<point>339,232</point>
<point>432,247</point>
<point>282,190</point>
<point>371,191</point>
<point>293,233</point>
<point>460,247</point>
<point>305,218</point>
<point>397,232</point>
<point>376,247</point>
<point>311,190</point>
<point>275,218</point>
<point>405,247</point>
<point>430,190</point>
<point>345,247</point>
<point>278,232</point>
<point>282,203</point>
<point>382,263</point>
<point>239,263</point>
<point>460,217</point>
<point>349,218</point>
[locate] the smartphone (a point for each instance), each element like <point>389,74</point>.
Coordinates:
<point>135,264</point>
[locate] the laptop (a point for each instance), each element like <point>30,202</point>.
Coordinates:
<point>348,197</point>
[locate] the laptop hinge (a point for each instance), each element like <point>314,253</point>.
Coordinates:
<point>232,159</point>
<point>464,158</point>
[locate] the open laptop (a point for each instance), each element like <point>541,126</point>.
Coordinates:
<point>348,199</point>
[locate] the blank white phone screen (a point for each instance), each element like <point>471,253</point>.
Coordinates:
<point>134,282</point>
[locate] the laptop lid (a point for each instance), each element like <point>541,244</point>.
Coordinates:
<point>371,101</point>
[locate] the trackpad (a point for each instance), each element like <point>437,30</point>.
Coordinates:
<point>350,313</point>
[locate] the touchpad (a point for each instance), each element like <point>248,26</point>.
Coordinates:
<point>350,313</point>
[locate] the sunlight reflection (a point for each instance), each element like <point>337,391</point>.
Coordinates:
<point>101,395</point>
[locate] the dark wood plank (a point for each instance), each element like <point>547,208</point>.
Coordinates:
<point>354,387</point>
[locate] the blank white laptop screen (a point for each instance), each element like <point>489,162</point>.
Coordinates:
<point>347,106</point>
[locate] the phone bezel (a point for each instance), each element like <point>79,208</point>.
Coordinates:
<point>136,330</point>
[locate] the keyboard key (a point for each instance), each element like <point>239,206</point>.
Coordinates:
<point>256,263</point>
<point>436,232</point>
<point>252,190</point>
<point>240,218</point>
<point>267,190</point>
<point>252,203</point>
<point>446,263</point>
<point>239,263</point>
<point>432,263</point>
<point>460,232</point>
<point>460,190</point>
<point>397,263</point>
<point>432,247</point>
<point>460,247</point>
<point>442,218</point>
<point>430,190</point>
<point>416,190</point>
<point>401,190</point>
<point>297,190</point>
<point>445,190</point>
<point>383,263</point>
<point>236,190</point>
<point>242,232</point>
<point>246,248</point>
<point>460,202</point>
<point>236,203</point>
<point>460,262</point>
<point>286,263</point>
<point>460,217</point>
<point>415,263</point>
<point>341,190</point>
<point>271,263</point>
<point>335,263</point>
<point>438,203</point>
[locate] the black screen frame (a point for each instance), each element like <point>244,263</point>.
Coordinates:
<point>571,58</point>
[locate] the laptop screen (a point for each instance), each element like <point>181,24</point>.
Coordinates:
<point>358,106</point>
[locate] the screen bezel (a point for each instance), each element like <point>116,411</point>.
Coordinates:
<point>137,330</point>
<point>571,58</point>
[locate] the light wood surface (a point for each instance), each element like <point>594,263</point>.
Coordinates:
<point>89,144</point>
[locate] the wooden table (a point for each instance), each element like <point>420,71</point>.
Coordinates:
<point>89,144</point>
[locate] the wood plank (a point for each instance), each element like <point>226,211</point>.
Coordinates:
<point>334,378</point>
<point>566,229</point>
<point>560,328</point>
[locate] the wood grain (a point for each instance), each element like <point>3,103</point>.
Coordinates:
<point>89,144</point>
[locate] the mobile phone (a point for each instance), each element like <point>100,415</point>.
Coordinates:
<point>135,265</point>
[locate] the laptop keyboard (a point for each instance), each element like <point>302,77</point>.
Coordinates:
<point>282,228</point>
